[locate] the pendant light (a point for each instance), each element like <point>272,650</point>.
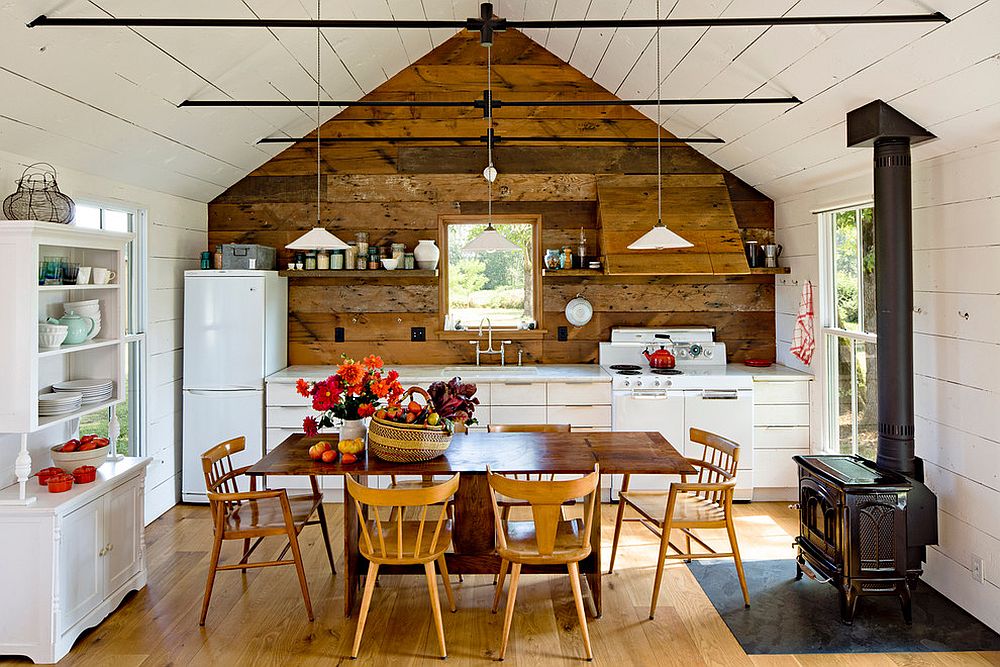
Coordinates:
<point>490,240</point>
<point>318,238</point>
<point>659,237</point>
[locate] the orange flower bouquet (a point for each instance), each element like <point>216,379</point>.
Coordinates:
<point>353,394</point>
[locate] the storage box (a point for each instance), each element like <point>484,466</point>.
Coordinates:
<point>248,256</point>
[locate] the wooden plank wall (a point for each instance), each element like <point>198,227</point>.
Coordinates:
<point>396,192</point>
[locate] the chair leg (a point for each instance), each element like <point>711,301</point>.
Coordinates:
<point>443,566</point>
<point>618,532</point>
<point>293,542</point>
<point>508,617</point>
<point>435,605</point>
<point>366,601</point>
<point>687,538</point>
<point>326,537</point>
<point>213,565</point>
<point>504,564</point>
<point>731,529</point>
<point>574,582</point>
<point>660,562</point>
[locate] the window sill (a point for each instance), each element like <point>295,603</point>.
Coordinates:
<point>498,334</point>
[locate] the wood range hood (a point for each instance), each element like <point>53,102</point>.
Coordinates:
<point>695,206</point>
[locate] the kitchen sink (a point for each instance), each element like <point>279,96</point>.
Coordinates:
<point>486,371</point>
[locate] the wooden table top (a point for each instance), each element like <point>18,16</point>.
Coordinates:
<point>617,453</point>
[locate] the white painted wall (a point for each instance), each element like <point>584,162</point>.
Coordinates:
<point>176,233</point>
<point>956,220</point>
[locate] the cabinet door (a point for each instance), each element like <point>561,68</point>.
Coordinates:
<point>81,564</point>
<point>123,528</point>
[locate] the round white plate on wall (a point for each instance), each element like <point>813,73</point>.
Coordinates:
<point>579,311</point>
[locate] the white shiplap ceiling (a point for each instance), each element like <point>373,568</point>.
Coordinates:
<point>104,100</point>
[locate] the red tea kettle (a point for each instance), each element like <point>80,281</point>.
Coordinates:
<point>662,358</point>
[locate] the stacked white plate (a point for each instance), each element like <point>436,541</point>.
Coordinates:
<point>59,403</point>
<point>92,391</point>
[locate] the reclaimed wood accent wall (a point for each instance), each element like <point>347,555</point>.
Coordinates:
<point>396,191</point>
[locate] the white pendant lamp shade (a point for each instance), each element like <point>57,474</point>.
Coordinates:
<point>489,241</point>
<point>659,238</point>
<point>317,238</point>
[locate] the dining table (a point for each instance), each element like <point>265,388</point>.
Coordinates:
<point>470,454</point>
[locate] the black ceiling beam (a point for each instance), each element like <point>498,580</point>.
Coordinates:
<point>497,139</point>
<point>478,25</point>
<point>325,103</point>
<point>497,104</point>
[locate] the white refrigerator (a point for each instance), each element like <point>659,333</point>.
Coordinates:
<point>235,335</point>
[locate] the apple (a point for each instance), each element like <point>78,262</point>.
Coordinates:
<point>415,408</point>
<point>348,459</point>
<point>315,452</point>
<point>411,417</point>
<point>329,456</point>
<point>88,438</point>
<point>382,413</point>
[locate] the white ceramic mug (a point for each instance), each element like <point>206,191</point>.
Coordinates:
<point>83,276</point>
<point>103,276</point>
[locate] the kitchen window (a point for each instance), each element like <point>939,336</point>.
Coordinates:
<point>503,286</point>
<point>120,218</point>
<point>849,329</point>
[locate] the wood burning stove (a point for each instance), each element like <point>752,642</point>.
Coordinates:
<point>864,527</point>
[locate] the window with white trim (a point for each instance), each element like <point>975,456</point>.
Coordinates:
<point>849,329</point>
<point>119,218</point>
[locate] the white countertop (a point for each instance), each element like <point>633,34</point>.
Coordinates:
<point>539,372</point>
<point>108,474</point>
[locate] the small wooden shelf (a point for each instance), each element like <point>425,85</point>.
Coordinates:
<point>69,349</point>
<point>763,270</point>
<point>572,273</point>
<point>400,274</point>
<point>74,288</point>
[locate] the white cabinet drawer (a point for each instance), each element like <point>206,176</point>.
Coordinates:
<point>771,393</point>
<point>789,437</point>
<point>579,393</point>
<point>281,393</point>
<point>286,417</point>
<point>518,393</point>
<point>521,414</point>
<point>580,415</point>
<point>774,468</point>
<point>781,415</point>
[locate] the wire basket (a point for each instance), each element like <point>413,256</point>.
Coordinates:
<point>407,443</point>
<point>38,197</point>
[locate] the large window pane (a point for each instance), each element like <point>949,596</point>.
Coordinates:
<point>497,285</point>
<point>867,282</point>
<point>845,269</point>
<point>841,386</point>
<point>866,393</point>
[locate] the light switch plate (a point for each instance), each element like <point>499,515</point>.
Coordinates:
<point>977,568</point>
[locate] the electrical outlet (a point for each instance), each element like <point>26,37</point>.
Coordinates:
<point>418,334</point>
<point>977,568</point>
<point>338,334</point>
<point>562,334</point>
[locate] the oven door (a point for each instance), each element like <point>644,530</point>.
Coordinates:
<point>648,410</point>
<point>725,412</point>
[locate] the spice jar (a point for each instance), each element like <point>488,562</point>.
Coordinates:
<point>337,260</point>
<point>409,262</point>
<point>567,258</point>
<point>374,259</point>
<point>552,259</point>
<point>310,260</point>
<point>218,257</point>
<point>323,260</point>
<point>351,256</point>
<point>361,238</point>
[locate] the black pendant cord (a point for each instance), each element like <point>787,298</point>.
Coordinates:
<point>489,137</point>
<point>659,168</point>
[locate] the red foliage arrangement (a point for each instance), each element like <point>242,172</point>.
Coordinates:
<point>355,392</point>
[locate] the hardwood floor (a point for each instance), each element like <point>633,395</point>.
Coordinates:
<point>260,619</point>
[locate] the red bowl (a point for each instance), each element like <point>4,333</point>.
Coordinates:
<point>45,474</point>
<point>60,483</point>
<point>85,474</point>
<point>758,363</point>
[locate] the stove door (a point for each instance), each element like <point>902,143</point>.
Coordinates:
<point>648,410</point>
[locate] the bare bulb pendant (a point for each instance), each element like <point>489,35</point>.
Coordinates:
<point>490,173</point>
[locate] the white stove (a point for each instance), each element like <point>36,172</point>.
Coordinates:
<point>697,393</point>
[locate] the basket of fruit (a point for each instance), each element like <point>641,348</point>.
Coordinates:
<point>409,431</point>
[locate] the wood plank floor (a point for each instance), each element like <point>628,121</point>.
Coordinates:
<point>259,619</point>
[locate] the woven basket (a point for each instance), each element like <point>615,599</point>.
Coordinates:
<point>407,443</point>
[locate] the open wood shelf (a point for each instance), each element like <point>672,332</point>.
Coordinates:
<point>400,274</point>
<point>572,273</point>
<point>763,270</point>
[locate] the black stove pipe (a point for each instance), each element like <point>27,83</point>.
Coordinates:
<point>894,305</point>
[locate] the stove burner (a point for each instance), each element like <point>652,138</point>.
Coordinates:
<point>666,371</point>
<point>628,372</point>
<point>625,367</point>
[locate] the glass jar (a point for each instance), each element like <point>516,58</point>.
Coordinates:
<point>323,260</point>
<point>337,260</point>
<point>206,260</point>
<point>374,259</point>
<point>361,238</point>
<point>566,262</point>
<point>310,260</point>
<point>398,252</point>
<point>351,256</point>
<point>409,262</point>
<point>217,260</point>
<point>361,263</point>
<point>552,257</point>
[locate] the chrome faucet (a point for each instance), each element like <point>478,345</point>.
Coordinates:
<point>489,345</point>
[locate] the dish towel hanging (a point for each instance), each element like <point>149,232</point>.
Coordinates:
<point>803,340</point>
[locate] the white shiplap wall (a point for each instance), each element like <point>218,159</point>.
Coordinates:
<point>956,200</point>
<point>177,232</point>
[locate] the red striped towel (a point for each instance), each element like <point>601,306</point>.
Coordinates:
<point>803,340</point>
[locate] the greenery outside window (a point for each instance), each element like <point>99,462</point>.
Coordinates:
<point>504,286</point>
<point>849,330</point>
<point>119,218</point>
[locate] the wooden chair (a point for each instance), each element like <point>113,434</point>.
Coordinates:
<point>546,539</point>
<point>705,503</point>
<point>246,515</point>
<point>504,502</point>
<point>399,542</point>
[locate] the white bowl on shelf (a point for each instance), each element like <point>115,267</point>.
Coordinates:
<point>51,335</point>
<point>69,461</point>
<point>390,264</point>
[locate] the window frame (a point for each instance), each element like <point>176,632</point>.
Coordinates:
<point>137,317</point>
<point>535,221</point>
<point>831,333</point>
